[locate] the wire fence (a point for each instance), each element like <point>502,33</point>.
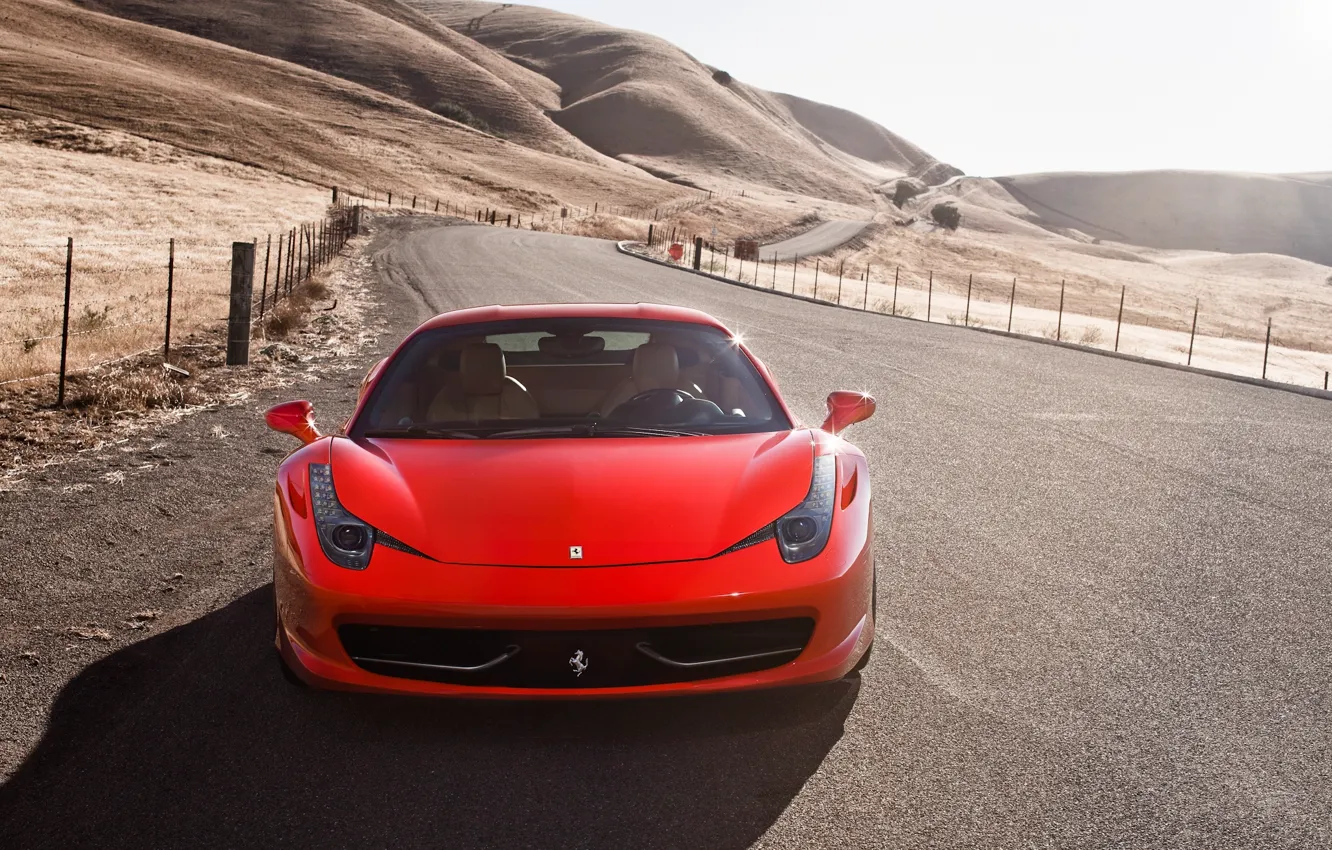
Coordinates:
<point>77,307</point>
<point>1288,348</point>
<point>74,307</point>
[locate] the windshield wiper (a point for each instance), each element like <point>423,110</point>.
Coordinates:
<point>418,432</point>
<point>590,429</point>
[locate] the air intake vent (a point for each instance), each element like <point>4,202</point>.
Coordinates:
<point>391,542</point>
<point>763,535</point>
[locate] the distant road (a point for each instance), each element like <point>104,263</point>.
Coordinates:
<point>823,238</point>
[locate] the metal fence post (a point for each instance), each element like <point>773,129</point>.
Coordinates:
<point>865,304</point>
<point>263,291</point>
<point>277,270</point>
<point>774,271</point>
<point>1119,324</point>
<point>966,319</point>
<point>726,259</point>
<point>64,328</point>
<point>841,269</point>
<point>1059,328</point>
<point>171,282</point>
<point>795,269</point>
<point>1267,347</point>
<point>1193,333</point>
<point>242,290</point>
<point>1012,299</point>
<point>698,253</point>
<point>651,231</point>
<point>929,300</point>
<point>897,273</point>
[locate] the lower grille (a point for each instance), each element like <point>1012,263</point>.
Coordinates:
<point>607,658</point>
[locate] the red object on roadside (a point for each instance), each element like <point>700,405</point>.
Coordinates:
<point>676,251</point>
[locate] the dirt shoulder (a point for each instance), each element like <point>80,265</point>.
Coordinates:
<point>159,526</point>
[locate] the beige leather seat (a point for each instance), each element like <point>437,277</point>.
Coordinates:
<point>484,390</point>
<point>656,367</point>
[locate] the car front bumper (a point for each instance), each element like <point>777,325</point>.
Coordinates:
<point>317,599</point>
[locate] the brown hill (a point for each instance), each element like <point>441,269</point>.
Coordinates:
<point>379,44</point>
<point>1208,211</point>
<point>61,60</point>
<point>642,100</point>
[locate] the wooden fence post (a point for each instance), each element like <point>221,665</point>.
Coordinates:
<point>817,263</point>
<point>242,290</point>
<point>841,270</point>
<point>171,281</point>
<point>795,269</point>
<point>64,327</point>
<point>966,319</point>
<point>865,304</point>
<point>897,273</point>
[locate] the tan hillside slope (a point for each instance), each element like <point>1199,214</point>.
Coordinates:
<point>381,45</point>
<point>60,60</point>
<point>641,99</point>
<point>857,136</point>
<point>1208,211</point>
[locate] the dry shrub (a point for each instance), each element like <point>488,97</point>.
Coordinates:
<point>1090,336</point>
<point>142,388</point>
<point>293,312</point>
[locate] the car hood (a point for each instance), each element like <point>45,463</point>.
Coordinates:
<point>527,502</point>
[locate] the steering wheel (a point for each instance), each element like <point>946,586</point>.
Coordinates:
<point>660,399</point>
<point>646,395</point>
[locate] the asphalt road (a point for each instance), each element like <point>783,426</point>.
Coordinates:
<point>1104,597</point>
<point>825,237</point>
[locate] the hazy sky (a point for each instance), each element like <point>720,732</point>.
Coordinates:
<point>1011,86</point>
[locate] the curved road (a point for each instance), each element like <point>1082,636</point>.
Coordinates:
<point>825,237</point>
<point>1104,597</point>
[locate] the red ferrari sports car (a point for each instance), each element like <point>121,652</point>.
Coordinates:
<point>572,501</point>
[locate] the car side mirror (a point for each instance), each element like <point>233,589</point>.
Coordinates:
<point>295,418</point>
<point>846,409</point>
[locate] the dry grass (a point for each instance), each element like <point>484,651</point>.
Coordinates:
<point>121,199</point>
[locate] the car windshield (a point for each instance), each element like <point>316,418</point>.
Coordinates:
<point>570,377</point>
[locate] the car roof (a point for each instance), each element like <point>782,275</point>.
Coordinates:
<point>495,313</point>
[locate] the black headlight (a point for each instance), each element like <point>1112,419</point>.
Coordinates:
<point>803,532</point>
<point>346,540</point>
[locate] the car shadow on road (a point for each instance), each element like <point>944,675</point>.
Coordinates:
<point>192,738</point>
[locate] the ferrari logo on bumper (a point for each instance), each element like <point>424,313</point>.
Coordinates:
<point>579,663</point>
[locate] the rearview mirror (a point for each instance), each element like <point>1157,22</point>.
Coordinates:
<point>846,409</point>
<point>295,418</point>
